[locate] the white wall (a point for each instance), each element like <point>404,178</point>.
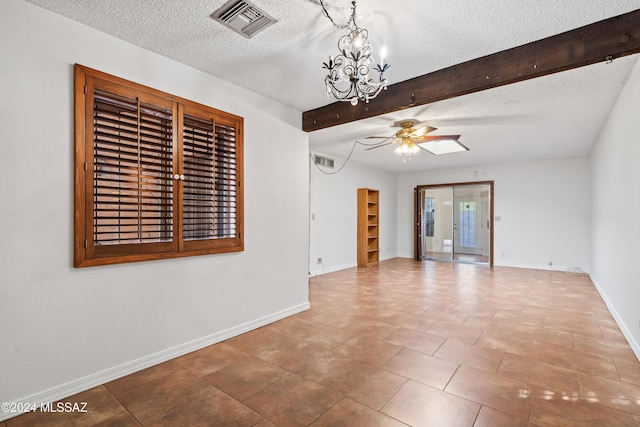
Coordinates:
<point>64,329</point>
<point>615,211</point>
<point>334,206</point>
<point>544,210</point>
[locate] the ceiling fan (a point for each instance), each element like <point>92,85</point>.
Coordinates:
<point>412,137</point>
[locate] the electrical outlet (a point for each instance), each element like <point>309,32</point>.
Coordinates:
<point>550,263</point>
<point>319,260</point>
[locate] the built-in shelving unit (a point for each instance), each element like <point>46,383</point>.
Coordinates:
<point>368,227</point>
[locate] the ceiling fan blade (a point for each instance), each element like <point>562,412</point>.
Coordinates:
<point>377,137</point>
<point>423,128</point>
<point>426,138</point>
<point>380,145</point>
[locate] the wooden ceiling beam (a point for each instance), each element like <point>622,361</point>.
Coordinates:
<point>601,41</point>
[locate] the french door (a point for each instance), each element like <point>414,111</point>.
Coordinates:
<point>454,222</point>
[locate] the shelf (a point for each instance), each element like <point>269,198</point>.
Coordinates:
<point>368,222</point>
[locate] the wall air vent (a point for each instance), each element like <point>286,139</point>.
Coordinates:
<point>323,161</point>
<point>243,17</point>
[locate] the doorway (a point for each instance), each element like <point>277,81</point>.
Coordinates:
<point>454,222</point>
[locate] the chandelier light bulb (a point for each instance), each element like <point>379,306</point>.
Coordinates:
<point>357,42</point>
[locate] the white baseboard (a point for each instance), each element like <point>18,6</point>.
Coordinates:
<point>82,384</point>
<point>321,271</point>
<point>561,269</point>
<point>623,327</point>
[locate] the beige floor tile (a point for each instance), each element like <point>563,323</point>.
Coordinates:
<point>353,414</point>
<point>601,318</point>
<point>615,349</point>
<point>544,334</point>
<point>155,399</point>
<point>371,328</point>
<point>123,419</point>
<point>265,423</point>
<point>313,362</point>
<point>612,334</point>
<point>215,409</point>
<point>461,332</point>
<point>509,343</point>
<point>311,332</point>
<point>123,384</point>
<point>364,383</point>
<point>573,327</point>
<point>267,345</point>
<point>421,405</point>
<point>614,394</point>
<point>503,394</point>
<point>471,355</point>
<point>539,374</point>
<point>415,340</point>
<point>100,406</point>
<point>628,372</point>
<point>293,401</point>
<point>550,410</point>
<point>210,359</point>
<point>245,377</point>
<point>491,418</point>
<point>411,320</point>
<point>423,368</point>
<point>368,350</point>
<point>585,362</point>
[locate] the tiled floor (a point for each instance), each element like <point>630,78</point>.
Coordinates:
<point>405,343</point>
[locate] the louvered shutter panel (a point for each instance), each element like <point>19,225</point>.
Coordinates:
<point>132,161</point>
<point>226,180</point>
<point>198,165</point>
<point>210,169</point>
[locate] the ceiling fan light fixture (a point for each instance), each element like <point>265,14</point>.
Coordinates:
<point>407,148</point>
<point>443,146</point>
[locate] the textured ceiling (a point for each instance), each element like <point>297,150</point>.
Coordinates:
<point>553,116</point>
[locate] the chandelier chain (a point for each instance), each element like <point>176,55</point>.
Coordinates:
<point>352,18</point>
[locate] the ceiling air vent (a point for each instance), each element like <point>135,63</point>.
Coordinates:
<point>323,161</point>
<point>243,17</point>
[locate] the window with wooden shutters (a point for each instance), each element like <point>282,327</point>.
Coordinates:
<point>156,176</point>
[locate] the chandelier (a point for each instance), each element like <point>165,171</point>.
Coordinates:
<point>348,78</point>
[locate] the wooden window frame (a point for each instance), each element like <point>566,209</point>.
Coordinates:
<point>230,179</point>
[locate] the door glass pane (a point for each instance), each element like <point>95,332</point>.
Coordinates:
<point>436,224</point>
<point>467,224</point>
<point>471,223</point>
